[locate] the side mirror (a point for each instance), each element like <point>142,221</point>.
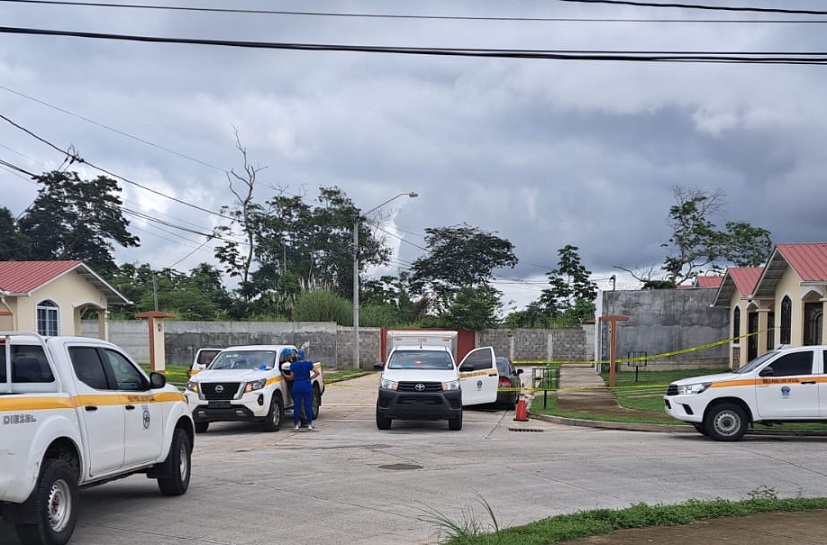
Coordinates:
<point>378,366</point>
<point>519,371</point>
<point>157,380</point>
<point>466,367</point>
<point>767,371</point>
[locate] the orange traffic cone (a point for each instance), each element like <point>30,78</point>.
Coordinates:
<point>522,412</point>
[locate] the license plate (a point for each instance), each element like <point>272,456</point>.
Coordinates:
<point>219,405</point>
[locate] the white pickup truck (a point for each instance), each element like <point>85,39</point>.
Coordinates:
<point>76,412</point>
<point>423,382</point>
<point>247,384</point>
<point>785,385</point>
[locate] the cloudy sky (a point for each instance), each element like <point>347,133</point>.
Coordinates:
<point>541,152</point>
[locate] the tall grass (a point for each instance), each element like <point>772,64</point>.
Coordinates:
<point>322,305</point>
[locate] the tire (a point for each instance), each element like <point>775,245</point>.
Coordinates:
<point>700,428</point>
<point>201,427</point>
<point>726,422</point>
<point>177,468</point>
<point>54,505</point>
<point>382,421</point>
<point>275,416</point>
<point>455,423</point>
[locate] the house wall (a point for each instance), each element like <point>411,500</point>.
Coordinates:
<point>790,285</point>
<point>70,293</point>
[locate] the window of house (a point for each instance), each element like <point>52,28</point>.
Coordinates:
<point>786,320</point>
<point>736,324</point>
<point>771,331</point>
<point>47,318</point>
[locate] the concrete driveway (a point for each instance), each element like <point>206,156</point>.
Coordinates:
<point>349,483</point>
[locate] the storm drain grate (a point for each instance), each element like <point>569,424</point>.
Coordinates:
<point>400,466</point>
<point>525,429</point>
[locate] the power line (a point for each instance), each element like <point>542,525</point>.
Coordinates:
<point>700,7</point>
<point>442,17</point>
<point>725,57</point>
<point>117,131</point>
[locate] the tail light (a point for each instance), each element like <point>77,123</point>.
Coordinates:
<point>504,382</point>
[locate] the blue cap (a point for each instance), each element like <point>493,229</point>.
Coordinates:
<point>301,354</point>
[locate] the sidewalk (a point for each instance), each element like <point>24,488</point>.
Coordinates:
<point>581,384</point>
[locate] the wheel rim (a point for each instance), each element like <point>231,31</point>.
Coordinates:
<point>276,418</point>
<point>316,404</point>
<point>727,423</point>
<point>183,463</point>
<point>59,505</point>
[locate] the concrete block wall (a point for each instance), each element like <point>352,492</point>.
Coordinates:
<point>573,344</point>
<point>666,321</point>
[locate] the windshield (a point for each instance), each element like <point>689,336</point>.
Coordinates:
<point>243,359</point>
<point>420,359</point>
<point>757,362</point>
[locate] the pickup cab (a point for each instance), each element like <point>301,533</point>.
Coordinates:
<point>423,382</point>
<point>247,384</point>
<point>784,385</point>
<point>76,412</point>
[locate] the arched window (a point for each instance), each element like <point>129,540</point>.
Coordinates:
<point>736,324</point>
<point>786,320</point>
<point>48,318</point>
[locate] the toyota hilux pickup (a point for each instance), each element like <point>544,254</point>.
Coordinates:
<point>247,384</point>
<point>423,382</point>
<point>785,385</point>
<point>76,412</point>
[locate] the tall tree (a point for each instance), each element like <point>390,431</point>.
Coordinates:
<point>14,245</point>
<point>460,257</point>
<point>697,244</point>
<point>571,293</point>
<point>73,218</point>
<point>238,257</point>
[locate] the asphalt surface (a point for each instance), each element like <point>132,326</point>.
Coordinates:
<point>349,483</point>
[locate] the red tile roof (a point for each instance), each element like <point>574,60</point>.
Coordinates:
<point>745,278</point>
<point>708,281</point>
<point>21,277</point>
<point>809,261</point>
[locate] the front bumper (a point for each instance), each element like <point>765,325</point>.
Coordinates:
<point>251,407</point>
<point>419,405</point>
<point>688,408</point>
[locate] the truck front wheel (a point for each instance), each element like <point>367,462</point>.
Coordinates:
<point>382,421</point>
<point>455,423</point>
<point>176,469</point>
<point>275,415</point>
<point>201,427</point>
<point>54,505</point>
<point>726,422</point>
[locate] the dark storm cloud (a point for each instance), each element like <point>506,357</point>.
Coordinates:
<point>542,153</point>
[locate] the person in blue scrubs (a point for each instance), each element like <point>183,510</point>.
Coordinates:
<point>303,372</point>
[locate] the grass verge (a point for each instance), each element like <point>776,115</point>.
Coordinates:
<point>604,521</point>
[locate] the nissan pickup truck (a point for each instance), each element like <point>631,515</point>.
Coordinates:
<point>76,412</point>
<point>247,384</point>
<point>423,382</point>
<point>784,385</point>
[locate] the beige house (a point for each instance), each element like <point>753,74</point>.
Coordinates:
<point>781,303</point>
<point>51,297</point>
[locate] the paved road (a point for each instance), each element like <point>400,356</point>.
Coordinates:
<point>349,483</point>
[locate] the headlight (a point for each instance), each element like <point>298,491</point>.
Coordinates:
<point>192,386</point>
<point>385,384</point>
<point>255,385</point>
<point>693,388</point>
<point>451,385</point>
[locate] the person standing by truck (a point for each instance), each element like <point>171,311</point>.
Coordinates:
<point>302,372</point>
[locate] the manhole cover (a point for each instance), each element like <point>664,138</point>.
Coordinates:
<point>400,466</point>
<point>525,429</point>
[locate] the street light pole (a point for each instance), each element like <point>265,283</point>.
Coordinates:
<point>356,354</point>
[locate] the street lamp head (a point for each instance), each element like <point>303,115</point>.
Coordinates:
<point>413,194</point>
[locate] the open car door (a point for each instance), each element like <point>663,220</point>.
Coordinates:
<point>479,377</point>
